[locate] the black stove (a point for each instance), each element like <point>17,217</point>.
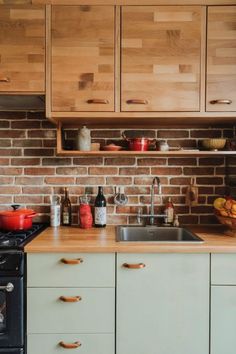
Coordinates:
<point>18,239</point>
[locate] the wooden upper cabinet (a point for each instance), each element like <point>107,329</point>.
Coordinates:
<point>161,56</point>
<point>83,58</point>
<point>22,47</point>
<point>221,60</point>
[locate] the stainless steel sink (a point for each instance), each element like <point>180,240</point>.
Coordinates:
<point>155,234</point>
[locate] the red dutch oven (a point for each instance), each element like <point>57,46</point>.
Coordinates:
<point>16,219</point>
<point>138,144</point>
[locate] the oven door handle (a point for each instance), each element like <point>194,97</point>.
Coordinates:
<point>9,287</point>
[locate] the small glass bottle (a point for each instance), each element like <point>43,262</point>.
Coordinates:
<point>169,211</point>
<point>66,209</point>
<point>100,213</point>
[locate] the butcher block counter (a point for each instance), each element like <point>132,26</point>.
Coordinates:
<point>95,240</point>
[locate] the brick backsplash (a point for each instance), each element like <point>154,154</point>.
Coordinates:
<point>30,171</point>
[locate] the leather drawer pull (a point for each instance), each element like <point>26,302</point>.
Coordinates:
<point>70,345</point>
<point>135,101</point>
<point>222,101</point>
<point>72,261</point>
<point>97,101</point>
<point>70,298</point>
<point>134,266</point>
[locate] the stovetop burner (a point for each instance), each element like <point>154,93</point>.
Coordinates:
<point>18,239</point>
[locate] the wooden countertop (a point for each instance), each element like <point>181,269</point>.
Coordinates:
<point>74,239</point>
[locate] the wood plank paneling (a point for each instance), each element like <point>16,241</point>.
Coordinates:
<point>161,48</point>
<point>221,61</point>
<point>83,58</point>
<point>22,48</point>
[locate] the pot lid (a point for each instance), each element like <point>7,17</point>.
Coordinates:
<point>16,211</point>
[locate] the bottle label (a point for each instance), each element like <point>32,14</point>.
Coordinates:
<point>65,218</point>
<point>55,215</point>
<point>100,215</point>
<point>169,212</point>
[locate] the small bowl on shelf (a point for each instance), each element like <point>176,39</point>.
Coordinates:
<point>112,147</point>
<point>214,144</point>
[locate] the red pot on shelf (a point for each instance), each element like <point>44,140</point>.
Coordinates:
<point>139,144</point>
<point>16,219</point>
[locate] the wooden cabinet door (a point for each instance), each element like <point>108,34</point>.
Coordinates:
<point>223,319</point>
<point>22,48</point>
<point>161,49</point>
<point>82,58</point>
<point>163,308</point>
<point>221,59</point>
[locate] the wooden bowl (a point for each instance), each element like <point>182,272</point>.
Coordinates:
<point>112,147</point>
<point>214,144</point>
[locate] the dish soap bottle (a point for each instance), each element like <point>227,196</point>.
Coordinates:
<point>169,212</point>
<point>100,214</point>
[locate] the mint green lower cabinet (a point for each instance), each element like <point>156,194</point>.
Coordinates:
<point>90,343</point>
<point>223,320</point>
<point>163,308</point>
<point>95,313</point>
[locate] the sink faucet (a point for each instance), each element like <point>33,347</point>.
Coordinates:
<point>156,181</point>
<point>151,216</point>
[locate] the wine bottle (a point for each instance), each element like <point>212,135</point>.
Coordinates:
<point>66,209</point>
<point>100,214</point>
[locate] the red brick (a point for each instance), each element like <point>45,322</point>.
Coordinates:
<point>28,199</point>
<point>205,190</point>
<point>231,160</point>
<point>190,143</point>
<point>210,180</point>
<point>200,171</point>
<point>72,190</point>
<point>146,199</point>
<point>71,170</point>
<point>222,171</point>
<point>4,162</point>
<point>208,219</point>
<point>50,143</point>
<point>6,200</point>
<point>56,161</point>
<point>228,133</point>
<point>4,124</point>
<point>152,161</point>
<point>137,190</point>
<point>5,142</point>
<point>12,115</point>
<point>102,171</point>
<point>181,209</point>
<point>10,190</point>
<point>25,124</point>
<point>166,171</point>
<point>202,209</point>
<point>221,190</point>
<point>40,171</point>
<point>170,190</point>
<point>134,171</point>
<point>116,181</point>
<point>148,180</point>
<point>6,180</point>
<point>90,181</point>
<point>44,134</point>
<point>60,180</point>
<point>127,209</point>
<point>37,190</point>
<point>133,200</point>
<point>188,219</point>
<point>25,161</point>
<point>11,171</point>
<point>10,152</point>
<point>182,161</point>
<point>172,134</point>
<point>28,181</point>
<point>120,161</point>
<point>105,133</point>
<point>175,199</point>
<point>211,161</point>
<point>88,161</point>
<point>10,133</point>
<point>40,208</point>
<point>27,143</point>
<point>39,152</point>
<point>139,133</point>
<point>180,181</point>
<point>206,133</point>
<point>117,219</point>
<point>46,124</point>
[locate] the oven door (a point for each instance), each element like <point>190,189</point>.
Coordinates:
<point>11,314</point>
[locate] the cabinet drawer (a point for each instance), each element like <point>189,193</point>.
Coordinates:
<point>94,313</point>
<point>223,269</point>
<point>90,343</point>
<point>92,270</point>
